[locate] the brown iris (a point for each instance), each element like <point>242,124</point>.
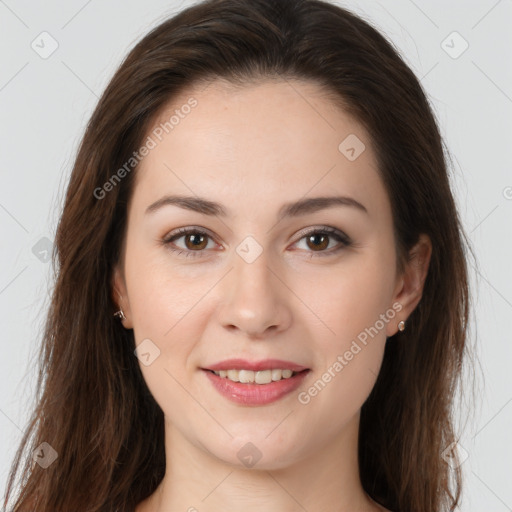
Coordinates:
<point>199,241</point>
<point>314,238</point>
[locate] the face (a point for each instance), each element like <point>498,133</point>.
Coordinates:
<point>252,278</point>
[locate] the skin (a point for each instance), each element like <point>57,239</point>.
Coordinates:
<point>252,149</point>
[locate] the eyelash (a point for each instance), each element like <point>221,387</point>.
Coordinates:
<point>326,230</point>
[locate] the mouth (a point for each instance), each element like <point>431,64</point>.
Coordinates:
<point>256,383</point>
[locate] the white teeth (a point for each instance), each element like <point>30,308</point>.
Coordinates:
<point>263,377</point>
<point>251,377</point>
<point>233,375</point>
<point>246,376</point>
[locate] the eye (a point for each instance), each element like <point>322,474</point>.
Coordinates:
<point>195,241</point>
<point>319,240</point>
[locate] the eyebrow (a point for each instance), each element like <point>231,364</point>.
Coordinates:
<point>294,209</point>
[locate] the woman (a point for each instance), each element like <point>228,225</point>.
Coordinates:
<point>261,298</point>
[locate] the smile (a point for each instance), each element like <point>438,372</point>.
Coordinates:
<point>255,388</point>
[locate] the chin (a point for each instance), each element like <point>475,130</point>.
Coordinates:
<point>256,454</point>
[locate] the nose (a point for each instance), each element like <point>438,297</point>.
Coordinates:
<point>255,299</point>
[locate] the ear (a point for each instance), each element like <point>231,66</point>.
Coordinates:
<point>409,287</point>
<point>119,295</point>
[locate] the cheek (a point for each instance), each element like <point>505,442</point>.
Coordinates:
<point>352,298</point>
<point>348,362</point>
<point>160,298</point>
<point>354,306</point>
<point>164,307</point>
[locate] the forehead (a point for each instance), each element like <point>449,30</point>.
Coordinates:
<point>268,139</point>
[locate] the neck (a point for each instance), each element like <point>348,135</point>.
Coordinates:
<point>325,479</point>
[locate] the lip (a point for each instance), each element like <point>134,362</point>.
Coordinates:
<point>255,394</point>
<point>265,364</point>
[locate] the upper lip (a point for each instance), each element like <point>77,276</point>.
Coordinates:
<point>264,364</point>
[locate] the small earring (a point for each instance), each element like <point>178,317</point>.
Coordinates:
<point>401,325</point>
<point>120,314</point>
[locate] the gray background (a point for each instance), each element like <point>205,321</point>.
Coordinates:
<point>45,103</point>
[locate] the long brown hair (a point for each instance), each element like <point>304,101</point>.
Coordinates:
<point>93,406</point>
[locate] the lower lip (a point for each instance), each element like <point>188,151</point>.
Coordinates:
<point>255,394</point>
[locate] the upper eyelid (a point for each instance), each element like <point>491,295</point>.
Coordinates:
<point>327,229</point>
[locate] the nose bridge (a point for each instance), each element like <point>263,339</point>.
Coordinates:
<point>254,301</point>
